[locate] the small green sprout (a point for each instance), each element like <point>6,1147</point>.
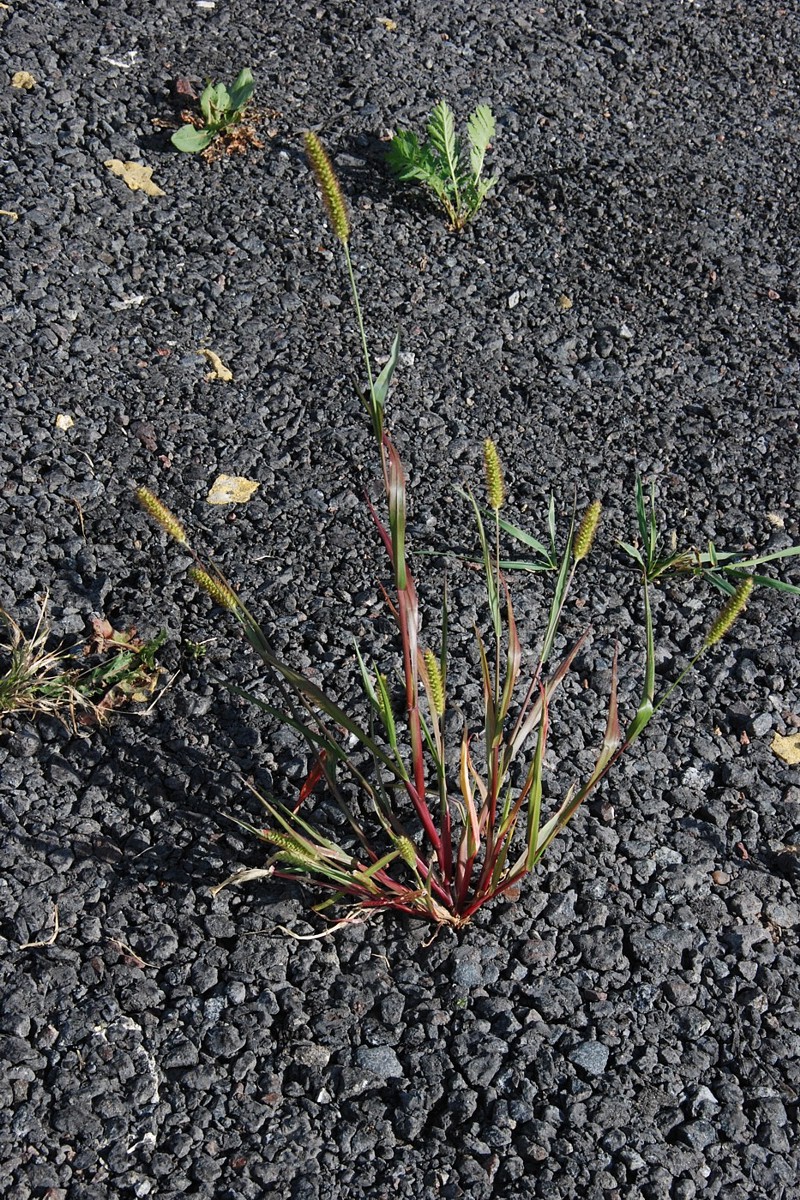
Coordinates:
<point>440,164</point>
<point>222,110</point>
<point>42,681</point>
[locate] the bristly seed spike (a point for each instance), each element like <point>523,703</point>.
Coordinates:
<point>329,185</point>
<point>586,531</point>
<point>435,681</point>
<point>162,515</point>
<point>734,608</point>
<point>219,592</point>
<point>494,475</point>
<point>407,850</point>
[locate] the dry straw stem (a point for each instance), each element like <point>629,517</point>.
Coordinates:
<point>329,186</point>
<point>733,609</point>
<point>586,531</point>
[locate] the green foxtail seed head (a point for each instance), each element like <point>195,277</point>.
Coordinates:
<point>408,851</point>
<point>161,514</point>
<point>289,850</point>
<point>435,681</point>
<point>733,609</point>
<point>494,475</point>
<point>222,595</point>
<point>329,186</point>
<point>586,531</point>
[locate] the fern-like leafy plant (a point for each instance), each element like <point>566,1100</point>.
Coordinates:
<point>441,165</point>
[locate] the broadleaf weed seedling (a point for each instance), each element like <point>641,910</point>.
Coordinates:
<point>433,834</point>
<point>222,110</point>
<point>440,164</point>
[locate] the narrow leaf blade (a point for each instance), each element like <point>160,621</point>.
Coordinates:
<point>380,388</point>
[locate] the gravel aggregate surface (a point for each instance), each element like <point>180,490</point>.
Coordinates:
<point>626,302</point>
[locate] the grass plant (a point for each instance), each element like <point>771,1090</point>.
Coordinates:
<point>428,833</point>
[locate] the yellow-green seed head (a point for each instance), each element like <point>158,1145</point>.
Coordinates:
<point>329,186</point>
<point>435,681</point>
<point>408,851</point>
<point>494,475</point>
<point>219,592</point>
<point>734,608</point>
<point>289,850</point>
<point>161,514</point>
<point>586,531</point>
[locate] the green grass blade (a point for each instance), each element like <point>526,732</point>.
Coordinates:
<point>612,739</point>
<point>641,512</point>
<point>633,553</point>
<point>386,713</point>
<point>758,561</point>
<point>645,710</point>
<point>380,388</point>
<point>556,823</point>
<point>525,565</point>
<point>535,787</point>
<point>486,555</point>
<point>397,516</point>
<point>562,584</point>
<point>513,661</point>
<point>652,530</point>
<point>490,715</point>
<point>520,535</point>
<point>365,679</point>
<point>551,528</point>
<point>779,584</point>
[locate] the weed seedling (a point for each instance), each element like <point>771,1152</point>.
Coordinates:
<point>222,110</point>
<point>426,828</point>
<point>37,679</point>
<point>440,164</point>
